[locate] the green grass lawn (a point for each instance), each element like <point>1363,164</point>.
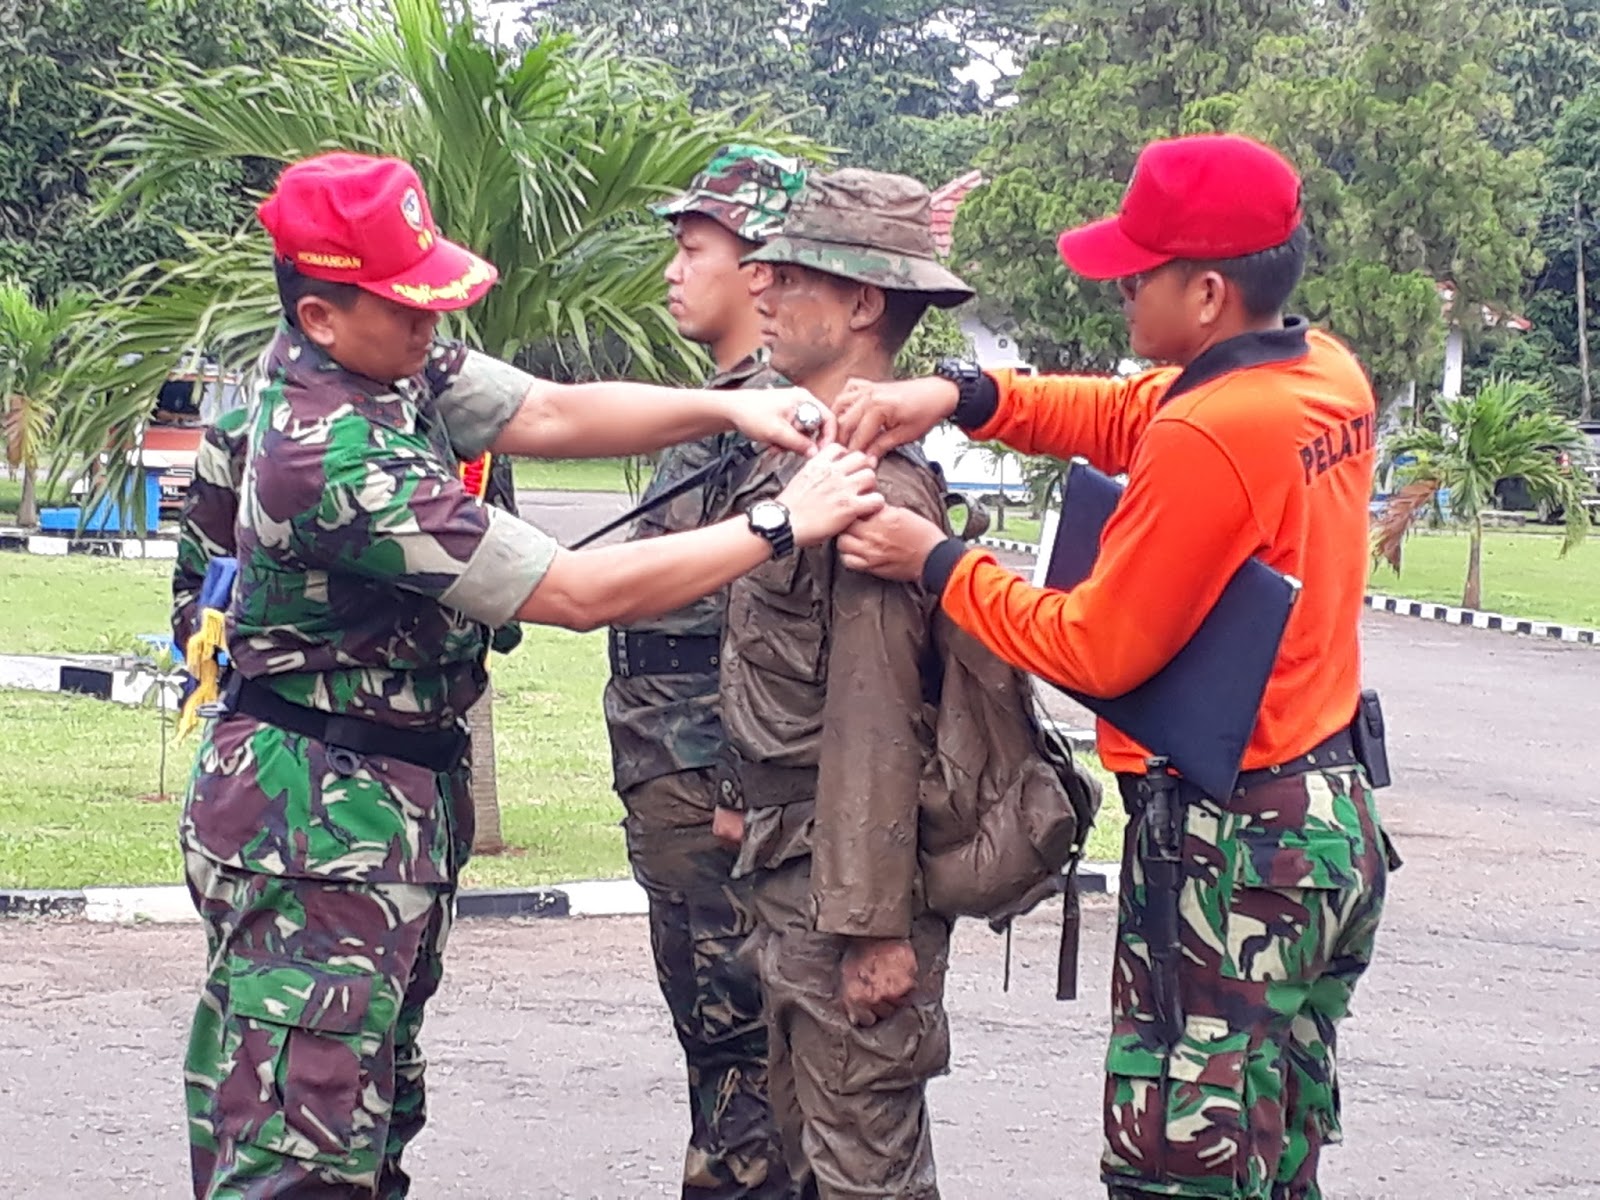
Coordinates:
<point>1522,574</point>
<point>79,798</point>
<point>570,475</point>
<point>80,604</point>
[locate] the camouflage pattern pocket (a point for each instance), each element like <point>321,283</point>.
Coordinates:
<point>296,1078</point>
<point>1179,1114</point>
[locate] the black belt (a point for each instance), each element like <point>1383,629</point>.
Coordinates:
<point>664,653</point>
<point>439,750</point>
<point>1335,754</point>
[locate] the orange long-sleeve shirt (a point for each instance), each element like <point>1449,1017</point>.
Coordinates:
<point>1264,446</point>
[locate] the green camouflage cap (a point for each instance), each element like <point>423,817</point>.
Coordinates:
<point>867,226</point>
<point>745,189</point>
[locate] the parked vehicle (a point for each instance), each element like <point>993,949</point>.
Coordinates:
<point>190,400</point>
<point>1511,495</point>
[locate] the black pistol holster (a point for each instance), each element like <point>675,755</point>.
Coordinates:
<point>1160,849</point>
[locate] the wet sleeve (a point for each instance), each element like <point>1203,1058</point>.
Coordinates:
<point>864,855</point>
<point>1074,416</point>
<point>389,510</point>
<point>1184,526</point>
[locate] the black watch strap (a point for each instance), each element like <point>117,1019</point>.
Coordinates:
<point>781,537</point>
<point>977,397</point>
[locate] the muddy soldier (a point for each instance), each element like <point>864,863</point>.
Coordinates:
<point>822,697</point>
<point>1220,1074</point>
<point>661,706</point>
<point>327,819</point>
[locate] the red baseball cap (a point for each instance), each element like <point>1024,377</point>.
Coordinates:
<point>1204,197</point>
<point>351,218</point>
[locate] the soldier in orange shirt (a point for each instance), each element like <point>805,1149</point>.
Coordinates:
<point>1257,441</point>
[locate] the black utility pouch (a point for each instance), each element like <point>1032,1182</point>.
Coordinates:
<point>1367,731</point>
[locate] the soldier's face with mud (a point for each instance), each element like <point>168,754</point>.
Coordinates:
<point>707,288</point>
<point>808,318</point>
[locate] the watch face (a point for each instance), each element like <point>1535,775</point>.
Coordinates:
<point>768,515</point>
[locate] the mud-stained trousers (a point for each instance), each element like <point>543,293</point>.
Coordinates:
<point>699,919</point>
<point>851,1103</point>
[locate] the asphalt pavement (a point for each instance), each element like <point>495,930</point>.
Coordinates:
<point>1471,1065</point>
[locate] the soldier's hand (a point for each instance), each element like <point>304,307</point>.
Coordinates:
<point>727,826</point>
<point>892,544</point>
<point>876,417</point>
<point>876,977</point>
<point>831,492</point>
<point>772,418</point>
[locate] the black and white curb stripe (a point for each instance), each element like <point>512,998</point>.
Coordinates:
<point>102,547</point>
<point>104,680</point>
<point>170,905</point>
<point>1426,610</point>
<point>1473,618</point>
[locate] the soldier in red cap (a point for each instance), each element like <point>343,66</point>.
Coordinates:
<point>1255,441</point>
<point>328,816</point>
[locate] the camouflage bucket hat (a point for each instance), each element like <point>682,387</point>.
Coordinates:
<point>745,189</point>
<point>870,227</point>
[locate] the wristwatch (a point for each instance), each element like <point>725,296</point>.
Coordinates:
<point>968,378</point>
<point>770,520</point>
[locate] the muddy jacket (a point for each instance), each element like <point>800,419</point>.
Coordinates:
<point>662,724</point>
<point>823,701</point>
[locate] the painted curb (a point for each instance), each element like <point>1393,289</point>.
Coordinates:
<point>1402,606</point>
<point>25,541</point>
<point>170,904</point>
<point>86,675</point>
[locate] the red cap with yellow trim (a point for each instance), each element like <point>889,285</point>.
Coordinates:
<point>351,218</point>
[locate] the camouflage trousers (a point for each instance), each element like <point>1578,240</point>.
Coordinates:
<point>1279,905</point>
<point>699,919</point>
<point>303,1074</point>
<point>851,1103</point>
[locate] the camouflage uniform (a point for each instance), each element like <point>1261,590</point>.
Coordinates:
<point>205,528</point>
<point>1282,893</point>
<point>367,583</point>
<point>666,735</point>
<point>823,700</point>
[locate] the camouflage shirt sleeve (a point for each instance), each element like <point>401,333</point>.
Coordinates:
<point>477,396</point>
<point>374,501</point>
<point>205,527</point>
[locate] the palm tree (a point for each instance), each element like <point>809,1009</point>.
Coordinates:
<point>542,158</point>
<point>32,339</point>
<point>1509,430</point>
<point>998,455</point>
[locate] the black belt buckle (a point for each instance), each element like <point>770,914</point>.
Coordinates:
<point>619,653</point>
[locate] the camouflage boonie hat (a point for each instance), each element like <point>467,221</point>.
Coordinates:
<point>745,189</point>
<point>868,226</point>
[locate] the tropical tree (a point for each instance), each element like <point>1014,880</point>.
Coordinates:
<point>1000,458</point>
<point>542,157</point>
<point>1509,430</point>
<point>32,338</point>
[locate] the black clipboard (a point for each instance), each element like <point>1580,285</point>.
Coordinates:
<point>1201,708</point>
